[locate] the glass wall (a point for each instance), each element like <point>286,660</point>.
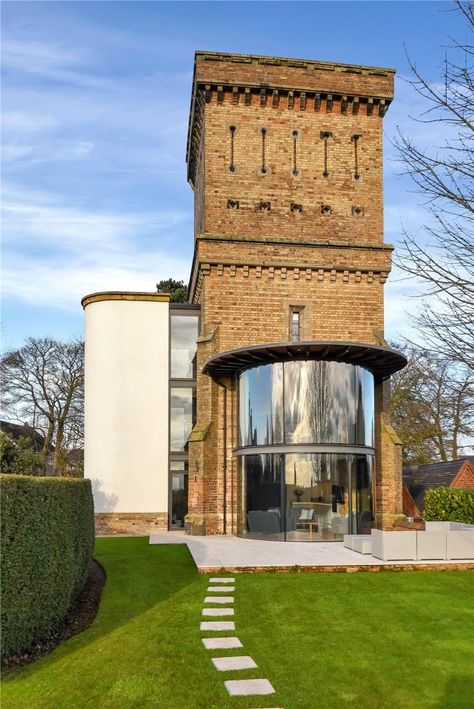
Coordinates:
<point>184,327</point>
<point>184,332</point>
<point>306,496</point>
<point>179,493</point>
<point>181,417</point>
<point>260,401</point>
<point>290,492</point>
<point>306,402</point>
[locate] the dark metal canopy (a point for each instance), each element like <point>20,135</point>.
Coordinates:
<point>381,361</point>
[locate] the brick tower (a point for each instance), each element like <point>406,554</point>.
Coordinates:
<point>285,160</point>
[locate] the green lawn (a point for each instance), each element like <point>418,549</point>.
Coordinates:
<point>365,640</point>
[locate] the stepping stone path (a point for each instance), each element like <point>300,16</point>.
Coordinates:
<point>229,663</point>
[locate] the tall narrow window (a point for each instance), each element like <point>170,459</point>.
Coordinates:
<point>295,325</point>
<point>232,138</point>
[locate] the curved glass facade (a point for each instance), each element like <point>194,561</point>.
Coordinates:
<point>306,402</point>
<point>290,491</point>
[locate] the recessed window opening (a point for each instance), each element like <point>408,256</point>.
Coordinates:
<point>295,325</point>
<point>295,135</point>
<point>232,135</point>
<point>263,169</point>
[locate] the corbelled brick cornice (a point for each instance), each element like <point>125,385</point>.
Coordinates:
<point>302,84</point>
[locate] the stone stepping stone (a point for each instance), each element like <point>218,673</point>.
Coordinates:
<point>219,599</point>
<point>220,589</point>
<point>226,579</point>
<point>237,662</point>
<point>247,687</point>
<point>217,625</point>
<point>221,643</point>
<point>217,611</point>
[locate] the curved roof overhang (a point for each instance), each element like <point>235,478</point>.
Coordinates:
<point>381,361</point>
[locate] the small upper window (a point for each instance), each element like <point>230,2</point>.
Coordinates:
<point>295,325</point>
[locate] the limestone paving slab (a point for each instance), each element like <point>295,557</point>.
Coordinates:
<point>221,643</point>
<point>217,625</point>
<point>218,611</point>
<point>219,599</point>
<point>247,687</point>
<point>235,662</point>
<point>220,589</point>
<point>224,579</point>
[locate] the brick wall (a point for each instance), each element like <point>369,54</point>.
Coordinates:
<point>268,240</point>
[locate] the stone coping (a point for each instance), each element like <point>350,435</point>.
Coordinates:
<point>125,295</point>
<point>202,55</point>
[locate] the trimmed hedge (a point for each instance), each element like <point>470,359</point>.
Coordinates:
<point>47,527</point>
<point>448,504</point>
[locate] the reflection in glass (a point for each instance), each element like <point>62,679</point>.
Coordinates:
<point>324,402</point>
<point>262,500</point>
<point>181,416</point>
<point>179,493</point>
<point>261,405</point>
<point>184,332</point>
<point>362,493</point>
<point>316,497</point>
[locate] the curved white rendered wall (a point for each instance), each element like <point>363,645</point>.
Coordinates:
<point>126,404</point>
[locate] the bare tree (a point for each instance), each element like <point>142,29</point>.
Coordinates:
<point>443,257</point>
<point>43,385</point>
<point>432,406</point>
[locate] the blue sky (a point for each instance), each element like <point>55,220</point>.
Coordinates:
<point>95,110</point>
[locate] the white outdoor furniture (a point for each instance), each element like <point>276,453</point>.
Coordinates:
<point>363,544</point>
<point>353,540</point>
<point>460,544</point>
<point>431,544</point>
<point>393,546</point>
<point>440,540</point>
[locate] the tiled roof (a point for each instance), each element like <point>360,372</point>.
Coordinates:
<point>420,478</point>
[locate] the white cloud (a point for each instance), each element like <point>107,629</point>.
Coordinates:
<point>48,221</point>
<point>55,253</point>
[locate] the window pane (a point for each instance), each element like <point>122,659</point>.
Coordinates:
<point>184,331</point>
<point>179,493</point>
<point>295,325</point>
<point>317,496</point>
<point>181,421</point>
<point>261,405</point>
<point>261,497</point>
<point>328,402</point>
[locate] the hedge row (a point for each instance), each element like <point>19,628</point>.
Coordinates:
<point>47,527</point>
<point>449,505</point>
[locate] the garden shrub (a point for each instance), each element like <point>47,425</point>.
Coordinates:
<point>449,504</point>
<point>47,527</point>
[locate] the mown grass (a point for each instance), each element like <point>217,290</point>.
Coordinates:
<point>371,640</point>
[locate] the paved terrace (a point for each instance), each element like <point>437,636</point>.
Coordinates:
<point>228,553</point>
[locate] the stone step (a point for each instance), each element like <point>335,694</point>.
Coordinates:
<point>219,599</point>
<point>236,662</point>
<point>247,687</point>
<point>217,611</point>
<point>221,643</point>
<point>226,579</point>
<point>217,625</point>
<point>220,589</point>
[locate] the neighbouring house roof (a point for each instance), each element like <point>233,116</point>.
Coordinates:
<point>420,478</point>
<point>23,430</point>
